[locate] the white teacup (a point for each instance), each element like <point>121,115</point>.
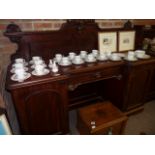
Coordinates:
<point>102,56</point>
<point>65,61</point>
<point>140,53</point>
<point>20,73</point>
<point>90,57</point>
<point>131,55</point>
<point>38,62</point>
<point>19,60</point>
<point>18,66</point>
<point>72,55</point>
<point>83,54</point>
<point>39,69</point>
<point>36,58</point>
<point>115,56</point>
<point>77,59</point>
<point>95,53</point>
<point>58,57</point>
<point>108,54</point>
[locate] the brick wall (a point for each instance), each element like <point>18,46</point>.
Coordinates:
<point>7,48</point>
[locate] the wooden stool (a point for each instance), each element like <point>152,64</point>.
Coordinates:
<point>100,118</point>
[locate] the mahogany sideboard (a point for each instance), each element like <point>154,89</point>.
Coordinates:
<point>42,103</point>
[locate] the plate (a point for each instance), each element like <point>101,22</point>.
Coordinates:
<point>130,59</point>
<point>115,59</point>
<point>145,57</point>
<point>122,55</point>
<point>46,71</point>
<point>14,77</point>
<point>68,64</point>
<point>13,69</point>
<point>78,63</point>
<point>102,59</point>
<point>90,60</point>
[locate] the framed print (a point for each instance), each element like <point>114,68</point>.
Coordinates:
<point>107,41</point>
<point>126,40</point>
<point>4,126</point>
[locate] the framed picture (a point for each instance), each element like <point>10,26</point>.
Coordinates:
<point>126,40</point>
<point>107,41</point>
<point>4,126</point>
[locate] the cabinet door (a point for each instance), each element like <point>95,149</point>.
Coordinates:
<point>42,109</point>
<point>151,90</point>
<point>137,86</point>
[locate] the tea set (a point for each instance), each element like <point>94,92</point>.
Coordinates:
<point>39,68</point>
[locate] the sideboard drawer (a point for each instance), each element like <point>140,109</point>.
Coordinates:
<point>95,76</point>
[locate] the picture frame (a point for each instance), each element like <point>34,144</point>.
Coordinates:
<point>126,40</point>
<point>107,41</point>
<point>4,126</point>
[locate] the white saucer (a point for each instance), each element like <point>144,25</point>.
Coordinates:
<point>77,63</point>
<point>94,60</point>
<point>119,59</point>
<point>13,69</point>
<point>14,77</point>
<point>135,59</point>
<point>67,64</point>
<point>46,71</point>
<point>102,59</point>
<point>144,57</point>
<point>122,55</point>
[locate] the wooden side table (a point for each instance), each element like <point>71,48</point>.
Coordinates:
<point>101,118</point>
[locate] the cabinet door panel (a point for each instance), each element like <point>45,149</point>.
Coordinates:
<point>138,85</point>
<point>42,111</point>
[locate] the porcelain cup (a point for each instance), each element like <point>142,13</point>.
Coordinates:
<point>58,57</point>
<point>36,58</point>
<point>39,69</point>
<point>72,55</point>
<point>20,73</point>
<point>39,62</point>
<point>140,53</point>
<point>102,56</point>
<point>65,60</point>
<point>95,53</point>
<point>90,57</point>
<point>83,54</point>
<point>115,56</point>
<point>131,55</point>
<point>18,66</point>
<point>77,59</point>
<point>19,60</point>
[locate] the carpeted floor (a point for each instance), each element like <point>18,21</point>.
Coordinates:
<point>141,123</point>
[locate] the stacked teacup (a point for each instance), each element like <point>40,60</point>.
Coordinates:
<point>39,66</point>
<point>20,70</point>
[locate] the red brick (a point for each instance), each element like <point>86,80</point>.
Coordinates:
<point>57,25</point>
<point>42,25</point>
<point>3,26</point>
<point>118,24</point>
<point>4,40</point>
<point>106,24</point>
<point>25,25</point>
<point>9,48</point>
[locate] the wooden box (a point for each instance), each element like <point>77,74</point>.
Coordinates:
<point>100,118</point>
